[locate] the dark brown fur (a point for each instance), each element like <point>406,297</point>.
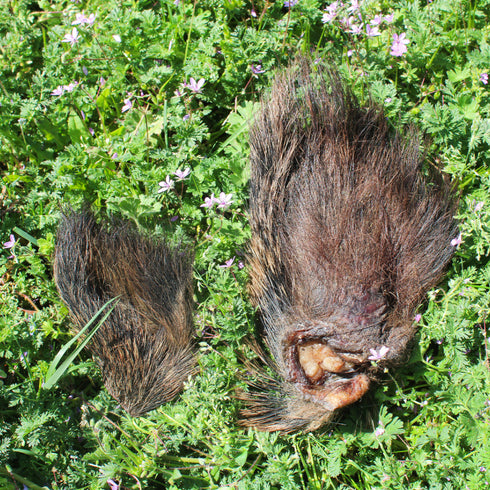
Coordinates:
<point>347,238</point>
<point>144,348</point>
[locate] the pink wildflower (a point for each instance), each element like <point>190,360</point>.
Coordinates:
<point>354,6</point>
<point>209,202</point>
<point>377,20</point>
<point>71,37</point>
<point>128,103</point>
<point>10,243</point>
<point>194,86</point>
<point>228,263</point>
<point>182,174</point>
<point>113,485</point>
<point>166,185</point>
<point>377,355</point>
<point>372,31</point>
<point>81,19</point>
<point>58,91</point>
<point>224,200</point>
<point>399,46</point>
<point>356,28</point>
<point>479,206</point>
<point>456,242</point>
<point>256,69</point>
<point>70,87</point>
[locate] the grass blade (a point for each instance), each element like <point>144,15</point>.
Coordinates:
<point>54,372</point>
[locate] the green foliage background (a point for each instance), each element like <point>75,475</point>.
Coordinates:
<point>426,426</point>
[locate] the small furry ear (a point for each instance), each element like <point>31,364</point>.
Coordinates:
<point>144,348</point>
<point>347,237</point>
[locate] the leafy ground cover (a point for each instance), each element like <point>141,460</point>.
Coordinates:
<point>141,108</point>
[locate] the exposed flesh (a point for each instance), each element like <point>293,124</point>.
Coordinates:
<point>316,358</point>
<point>342,394</point>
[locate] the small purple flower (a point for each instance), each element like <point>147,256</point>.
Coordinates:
<point>456,242</point>
<point>102,81</point>
<point>209,202</point>
<point>253,13</point>
<point>85,70</point>
<point>224,200</point>
<point>399,46</point>
<point>332,8</point>
<point>346,22</point>
<point>241,265</point>
<point>70,87</point>
<point>174,218</point>
<point>377,20</point>
<point>389,18</point>
<point>256,69</point>
<point>379,431</point>
<point>350,52</point>
<point>128,103</point>
<point>72,37</point>
<point>482,469</point>
<point>484,78</point>
<point>113,484</point>
<point>330,12</point>
<point>194,86</point>
<point>372,31</point>
<point>290,3</point>
<point>91,131</point>
<point>10,243</point>
<point>356,28</point>
<point>417,317</point>
<point>58,91</point>
<point>186,117</point>
<point>377,355</point>
<point>166,185</point>
<point>228,263</point>
<point>81,19</point>
<point>354,6</point>
<point>327,18</point>
<point>182,174</point>
<point>479,206</point>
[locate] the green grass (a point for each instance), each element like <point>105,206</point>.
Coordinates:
<point>425,426</point>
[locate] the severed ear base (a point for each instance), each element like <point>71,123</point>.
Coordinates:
<point>331,378</point>
<point>348,235</point>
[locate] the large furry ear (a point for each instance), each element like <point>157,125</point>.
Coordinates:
<point>145,347</point>
<point>347,237</point>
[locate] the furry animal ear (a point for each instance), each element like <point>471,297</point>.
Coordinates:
<point>347,237</point>
<point>144,348</point>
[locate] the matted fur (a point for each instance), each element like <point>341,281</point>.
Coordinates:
<point>347,238</point>
<point>144,348</point>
